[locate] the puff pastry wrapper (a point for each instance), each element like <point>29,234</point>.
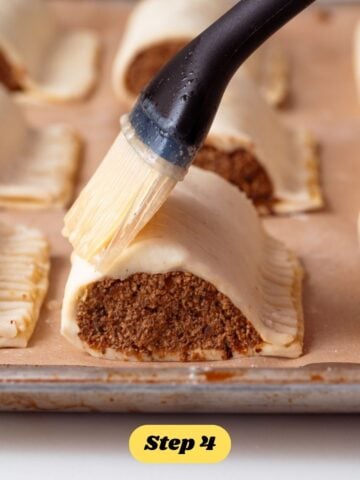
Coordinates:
<point>24,268</point>
<point>37,165</point>
<point>158,22</point>
<point>47,62</point>
<point>288,155</point>
<point>208,228</point>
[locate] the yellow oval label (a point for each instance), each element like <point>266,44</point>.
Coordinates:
<point>180,444</point>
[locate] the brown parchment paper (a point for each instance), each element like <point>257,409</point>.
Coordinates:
<point>323,99</point>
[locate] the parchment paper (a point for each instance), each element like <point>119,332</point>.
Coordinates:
<point>323,99</point>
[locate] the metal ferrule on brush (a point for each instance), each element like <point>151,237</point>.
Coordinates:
<point>154,146</point>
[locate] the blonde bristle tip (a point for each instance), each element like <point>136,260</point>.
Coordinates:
<point>123,194</point>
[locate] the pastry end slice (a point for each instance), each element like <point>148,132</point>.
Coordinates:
<point>40,59</point>
<point>38,166</point>
<point>24,270</point>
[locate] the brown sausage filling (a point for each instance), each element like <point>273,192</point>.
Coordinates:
<point>7,75</point>
<point>241,169</point>
<point>149,62</point>
<point>157,315</point>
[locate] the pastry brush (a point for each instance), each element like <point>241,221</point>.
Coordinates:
<point>167,126</point>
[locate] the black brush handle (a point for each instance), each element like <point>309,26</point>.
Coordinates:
<point>177,108</point>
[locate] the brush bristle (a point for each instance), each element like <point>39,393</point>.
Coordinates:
<point>121,197</point>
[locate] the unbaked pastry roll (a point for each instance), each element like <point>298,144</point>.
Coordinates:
<point>157,29</point>
<point>40,58</point>
<point>248,145</point>
<point>24,269</point>
<point>37,167</point>
<point>202,281</point>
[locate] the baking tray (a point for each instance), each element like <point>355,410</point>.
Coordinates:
<point>51,375</point>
